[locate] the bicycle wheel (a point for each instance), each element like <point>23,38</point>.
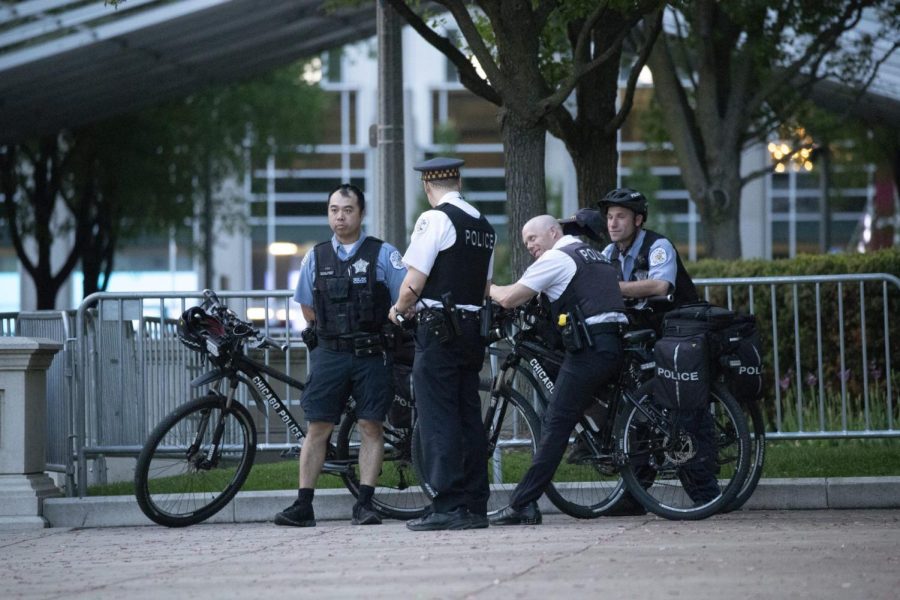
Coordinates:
<point>181,476</point>
<point>689,464</point>
<point>757,426</point>
<point>586,484</point>
<point>398,494</point>
<point>513,431</point>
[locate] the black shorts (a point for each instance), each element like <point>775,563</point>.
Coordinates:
<point>335,375</point>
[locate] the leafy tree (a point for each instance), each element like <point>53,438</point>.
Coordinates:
<point>751,65</point>
<point>146,172</point>
<point>533,55</point>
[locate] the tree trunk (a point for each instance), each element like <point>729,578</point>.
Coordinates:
<point>526,197</point>
<point>719,203</point>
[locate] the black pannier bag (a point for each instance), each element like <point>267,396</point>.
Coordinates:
<point>682,372</point>
<point>741,359</point>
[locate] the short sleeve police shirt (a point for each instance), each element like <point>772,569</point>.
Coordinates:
<point>552,272</point>
<point>389,269</point>
<point>661,260</point>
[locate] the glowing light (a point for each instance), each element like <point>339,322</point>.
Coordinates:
<point>282,249</point>
<point>256,313</point>
<point>779,168</point>
<point>312,71</point>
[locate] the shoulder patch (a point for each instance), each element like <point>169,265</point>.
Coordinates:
<point>396,260</point>
<point>658,257</point>
<point>421,224</point>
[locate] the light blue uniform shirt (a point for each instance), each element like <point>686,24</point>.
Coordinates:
<point>661,258</point>
<point>389,269</point>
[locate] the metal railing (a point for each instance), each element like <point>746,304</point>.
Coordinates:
<point>829,350</point>
<point>132,370</point>
<point>830,343</point>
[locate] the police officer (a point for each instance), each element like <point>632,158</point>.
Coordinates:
<point>450,262</point>
<point>345,289</point>
<point>650,266</point>
<point>580,283</point>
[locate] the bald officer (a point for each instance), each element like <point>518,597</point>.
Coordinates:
<point>449,266</point>
<point>580,283</point>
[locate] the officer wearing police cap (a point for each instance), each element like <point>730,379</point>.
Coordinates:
<point>450,252</point>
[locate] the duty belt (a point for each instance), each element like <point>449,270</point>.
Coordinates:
<point>340,344</point>
<point>464,315</point>
<point>598,328</point>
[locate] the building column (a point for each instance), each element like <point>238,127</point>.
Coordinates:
<point>23,431</point>
<point>391,222</point>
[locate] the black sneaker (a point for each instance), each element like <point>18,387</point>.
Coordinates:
<point>298,514</point>
<point>440,521</point>
<point>364,514</point>
<point>528,515</point>
<point>476,521</point>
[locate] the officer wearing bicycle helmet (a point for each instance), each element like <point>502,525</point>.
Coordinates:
<point>346,287</point>
<point>649,264</point>
<point>581,285</point>
<point>450,260</point>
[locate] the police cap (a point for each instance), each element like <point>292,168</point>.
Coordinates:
<point>440,167</point>
<point>587,221</point>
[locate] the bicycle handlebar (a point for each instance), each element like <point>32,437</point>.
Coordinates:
<point>239,327</point>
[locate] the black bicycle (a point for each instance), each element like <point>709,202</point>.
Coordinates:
<point>652,451</point>
<point>199,456</point>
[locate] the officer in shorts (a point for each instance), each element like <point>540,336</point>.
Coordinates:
<point>346,287</point>
<point>450,261</point>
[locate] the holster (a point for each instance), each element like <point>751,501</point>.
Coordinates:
<point>436,325</point>
<point>368,346</point>
<point>309,337</point>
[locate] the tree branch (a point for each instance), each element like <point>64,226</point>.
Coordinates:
<point>636,68</point>
<point>468,76</point>
<point>476,44</point>
<point>565,87</point>
<point>821,45</point>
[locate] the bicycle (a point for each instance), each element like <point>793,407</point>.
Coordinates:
<point>639,446</point>
<point>198,457</point>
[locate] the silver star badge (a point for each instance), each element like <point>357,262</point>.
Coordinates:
<point>360,266</point>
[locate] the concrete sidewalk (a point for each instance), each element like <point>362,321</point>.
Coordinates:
<point>248,507</point>
<point>770,554</point>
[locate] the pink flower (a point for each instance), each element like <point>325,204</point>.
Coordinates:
<point>811,379</point>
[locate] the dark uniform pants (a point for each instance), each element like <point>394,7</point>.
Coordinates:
<point>445,381</point>
<point>580,376</point>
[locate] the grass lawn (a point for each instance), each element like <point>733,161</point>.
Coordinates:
<point>806,458</point>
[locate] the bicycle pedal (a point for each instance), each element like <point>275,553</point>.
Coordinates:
<point>292,452</point>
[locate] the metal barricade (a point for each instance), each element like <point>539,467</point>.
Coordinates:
<point>830,342</point>
<point>57,326</point>
<point>132,371</point>
<point>828,351</point>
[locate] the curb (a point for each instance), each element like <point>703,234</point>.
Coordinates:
<point>337,504</point>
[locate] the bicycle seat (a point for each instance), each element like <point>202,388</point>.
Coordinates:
<point>639,337</point>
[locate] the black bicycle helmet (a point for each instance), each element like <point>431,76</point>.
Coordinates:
<point>194,327</point>
<point>626,197</point>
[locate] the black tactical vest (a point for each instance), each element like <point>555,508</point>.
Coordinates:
<point>594,287</point>
<point>348,298</point>
<point>462,268</point>
<point>685,292</point>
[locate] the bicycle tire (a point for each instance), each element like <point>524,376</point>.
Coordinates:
<point>587,488</point>
<point>673,460</point>
<point>513,436</point>
<point>757,425</point>
<point>398,494</point>
<point>172,486</point>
